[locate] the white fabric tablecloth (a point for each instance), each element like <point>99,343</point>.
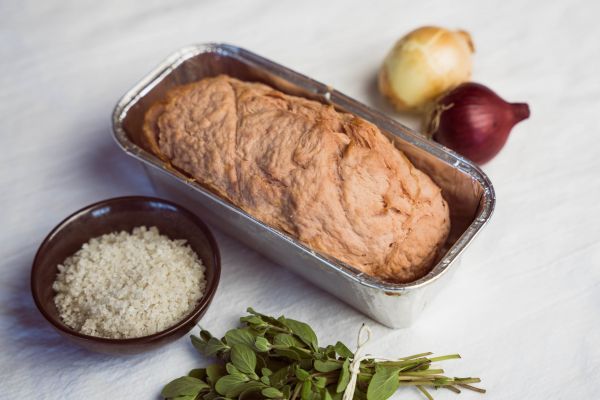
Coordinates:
<point>524,307</point>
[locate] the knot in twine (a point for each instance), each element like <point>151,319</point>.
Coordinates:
<point>355,364</point>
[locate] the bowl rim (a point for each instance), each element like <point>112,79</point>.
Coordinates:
<point>203,304</point>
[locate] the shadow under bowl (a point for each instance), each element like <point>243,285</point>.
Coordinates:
<point>123,213</point>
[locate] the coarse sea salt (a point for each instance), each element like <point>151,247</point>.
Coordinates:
<point>129,284</point>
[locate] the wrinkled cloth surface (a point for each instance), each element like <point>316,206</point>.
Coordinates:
<point>522,306</point>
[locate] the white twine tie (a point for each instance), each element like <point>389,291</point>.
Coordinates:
<point>355,364</point>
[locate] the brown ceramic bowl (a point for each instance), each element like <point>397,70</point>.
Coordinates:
<point>123,213</point>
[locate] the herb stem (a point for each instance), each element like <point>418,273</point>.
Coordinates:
<point>425,392</point>
<point>420,355</point>
<point>296,391</point>
<point>475,389</point>
<point>443,358</point>
<point>452,388</point>
<point>425,372</point>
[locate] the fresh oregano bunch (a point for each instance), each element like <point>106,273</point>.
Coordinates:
<point>280,358</point>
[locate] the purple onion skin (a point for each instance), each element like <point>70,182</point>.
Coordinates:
<point>474,121</point>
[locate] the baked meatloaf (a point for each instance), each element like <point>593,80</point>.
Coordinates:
<point>328,178</point>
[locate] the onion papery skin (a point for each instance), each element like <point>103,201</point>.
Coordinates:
<point>474,121</point>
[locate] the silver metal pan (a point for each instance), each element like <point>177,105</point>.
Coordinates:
<point>465,187</point>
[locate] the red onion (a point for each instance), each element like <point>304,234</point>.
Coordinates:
<point>474,121</point>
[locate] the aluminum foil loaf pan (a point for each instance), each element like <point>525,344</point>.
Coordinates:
<point>465,187</point>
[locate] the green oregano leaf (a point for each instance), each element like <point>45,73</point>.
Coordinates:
<point>320,382</point>
<point>184,386</point>
<point>280,377</point>
<point>266,372</point>
<point>328,351</point>
<point>199,373</point>
<point>344,377</point>
<point>304,354</point>
<point>214,346</point>
<point>271,393</point>
<point>214,372</point>
<point>306,391</point>
<point>286,390</point>
<point>252,320</point>
<point>231,385</point>
<point>325,395</point>
<point>302,374</point>
<point>247,393</point>
<point>383,384</point>
<point>248,388</point>
<point>267,319</point>
<point>199,343</point>
<point>287,353</point>
<point>261,344</point>
<point>303,331</point>
<point>205,335</point>
<point>283,339</point>
<point>239,336</point>
<point>327,366</point>
<point>335,396</point>
<point>209,348</point>
<point>209,396</point>
<point>243,357</point>
<point>231,369</point>
<point>343,351</point>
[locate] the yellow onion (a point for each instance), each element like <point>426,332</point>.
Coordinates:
<point>424,64</point>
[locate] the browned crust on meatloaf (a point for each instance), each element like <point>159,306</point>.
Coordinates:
<point>330,179</point>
